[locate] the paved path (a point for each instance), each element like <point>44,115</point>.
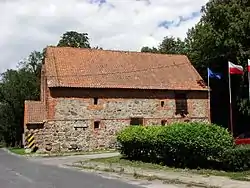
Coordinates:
<point>18,172</point>
<point>68,160</point>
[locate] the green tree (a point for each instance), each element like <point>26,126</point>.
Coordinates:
<point>74,39</point>
<point>15,87</point>
<point>222,35</point>
<point>33,63</point>
<point>149,50</point>
<point>169,45</point>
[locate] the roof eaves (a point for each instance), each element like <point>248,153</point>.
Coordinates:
<point>139,88</point>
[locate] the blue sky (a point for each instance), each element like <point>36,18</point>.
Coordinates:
<point>112,24</point>
<point>181,19</point>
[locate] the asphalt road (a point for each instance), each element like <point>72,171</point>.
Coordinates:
<point>17,172</point>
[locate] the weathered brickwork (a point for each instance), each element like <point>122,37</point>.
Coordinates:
<point>70,122</point>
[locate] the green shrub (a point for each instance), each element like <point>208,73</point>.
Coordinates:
<point>194,144</point>
<point>179,144</point>
<point>138,142</point>
<point>131,140</point>
<point>237,159</point>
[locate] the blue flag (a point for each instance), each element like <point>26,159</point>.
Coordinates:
<point>213,75</point>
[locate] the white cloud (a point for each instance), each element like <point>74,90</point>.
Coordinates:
<point>118,24</point>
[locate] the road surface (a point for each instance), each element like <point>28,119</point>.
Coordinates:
<point>18,172</point>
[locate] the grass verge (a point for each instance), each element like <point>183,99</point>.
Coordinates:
<point>136,174</point>
<point>243,176</point>
<point>58,154</point>
<point>19,151</point>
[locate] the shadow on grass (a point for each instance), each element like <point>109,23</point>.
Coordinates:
<point>175,162</point>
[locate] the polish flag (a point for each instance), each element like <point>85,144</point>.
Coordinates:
<point>235,69</point>
<point>248,65</point>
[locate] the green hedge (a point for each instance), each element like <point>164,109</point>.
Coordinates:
<point>237,159</point>
<point>179,144</point>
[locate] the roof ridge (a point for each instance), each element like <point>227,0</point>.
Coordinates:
<point>118,51</point>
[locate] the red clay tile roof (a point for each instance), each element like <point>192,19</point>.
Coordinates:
<point>34,112</point>
<point>92,68</point>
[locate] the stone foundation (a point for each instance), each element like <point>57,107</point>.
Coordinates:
<point>79,135</point>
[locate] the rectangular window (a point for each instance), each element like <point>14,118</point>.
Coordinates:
<point>97,125</point>
<point>181,104</point>
<point>136,121</point>
<point>163,122</point>
<point>162,103</point>
<point>95,101</point>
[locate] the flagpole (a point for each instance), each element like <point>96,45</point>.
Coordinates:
<point>208,84</point>
<point>248,72</point>
<point>230,100</point>
<point>249,83</point>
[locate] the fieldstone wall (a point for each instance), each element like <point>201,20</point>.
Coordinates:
<point>75,135</point>
<point>70,124</point>
<point>113,109</point>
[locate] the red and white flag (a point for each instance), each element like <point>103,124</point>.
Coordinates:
<point>235,69</point>
<point>248,65</point>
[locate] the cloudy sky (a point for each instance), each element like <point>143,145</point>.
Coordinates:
<point>28,25</point>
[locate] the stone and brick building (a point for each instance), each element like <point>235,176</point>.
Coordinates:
<point>87,95</point>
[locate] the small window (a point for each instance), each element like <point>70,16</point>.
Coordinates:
<point>181,104</point>
<point>136,121</point>
<point>162,103</point>
<point>95,101</point>
<point>96,124</point>
<point>163,122</point>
